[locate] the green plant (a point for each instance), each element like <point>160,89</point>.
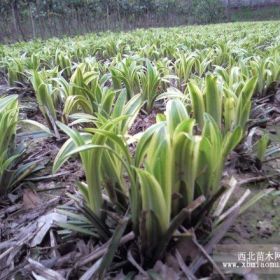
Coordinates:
<point>150,80</point>
<point>170,159</point>
<point>127,74</point>
<point>178,163</point>
<point>11,170</point>
<point>261,147</point>
<point>15,71</point>
<point>8,122</point>
<point>228,104</point>
<point>45,97</point>
<point>184,66</point>
<point>107,167</point>
<point>63,61</point>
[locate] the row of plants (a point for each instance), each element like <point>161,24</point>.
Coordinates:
<point>152,44</point>
<point>225,95</point>
<point>109,66</point>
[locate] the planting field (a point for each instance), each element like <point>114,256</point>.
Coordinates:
<point>132,155</point>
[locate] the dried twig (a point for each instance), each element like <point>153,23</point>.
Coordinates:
<point>208,257</point>
<point>27,236</point>
<point>44,271</point>
<point>47,177</point>
<point>257,179</point>
<point>217,236</point>
<point>100,252</point>
<point>237,205</point>
<point>135,264</point>
<point>53,242</point>
<point>184,267</point>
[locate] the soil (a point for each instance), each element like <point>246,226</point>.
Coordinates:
<point>142,122</point>
<point>37,196</point>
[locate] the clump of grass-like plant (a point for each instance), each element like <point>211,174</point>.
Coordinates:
<point>172,167</point>
<point>11,171</point>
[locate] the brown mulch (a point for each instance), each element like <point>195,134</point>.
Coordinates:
<point>27,215</point>
<point>266,109</point>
